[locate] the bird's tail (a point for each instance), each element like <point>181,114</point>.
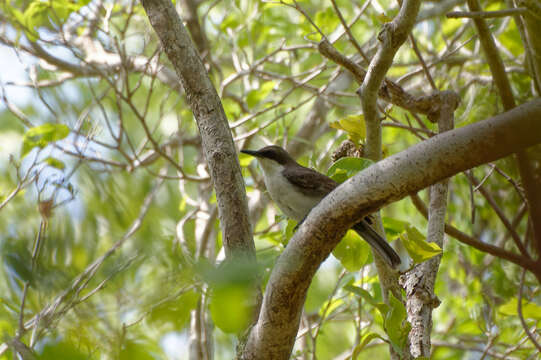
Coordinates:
<point>379,244</point>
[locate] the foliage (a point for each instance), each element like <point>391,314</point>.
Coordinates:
<point>131,254</point>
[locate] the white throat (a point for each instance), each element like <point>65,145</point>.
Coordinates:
<point>291,202</point>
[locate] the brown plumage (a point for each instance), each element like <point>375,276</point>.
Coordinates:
<point>297,189</point>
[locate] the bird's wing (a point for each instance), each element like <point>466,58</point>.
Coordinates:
<point>309,182</point>
<point>302,178</point>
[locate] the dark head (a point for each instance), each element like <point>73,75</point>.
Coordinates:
<point>271,152</point>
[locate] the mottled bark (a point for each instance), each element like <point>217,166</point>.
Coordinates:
<point>419,282</point>
<point>392,36</point>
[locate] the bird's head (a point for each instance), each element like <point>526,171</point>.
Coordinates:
<point>272,152</point>
<point>272,156</point>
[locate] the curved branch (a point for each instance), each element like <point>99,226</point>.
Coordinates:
<point>389,180</point>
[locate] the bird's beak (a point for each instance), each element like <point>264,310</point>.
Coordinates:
<point>250,152</point>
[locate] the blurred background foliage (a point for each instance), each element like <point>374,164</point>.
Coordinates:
<point>125,265</point>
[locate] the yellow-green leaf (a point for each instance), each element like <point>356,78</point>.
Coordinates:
<point>394,227</point>
<point>346,167</point>
<point>245,159</point>
<point>53,162</point>
<point>40,136</point>
<point>230,308</point>
<point>354,125</point>
<point>352,251</point>
<point>328,307</point>
<point>257,95</point>
<point>365,341</point>
<point>396,325</point>
<point>529,310</point>
<point>418,248</point>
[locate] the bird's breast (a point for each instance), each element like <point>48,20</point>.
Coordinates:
<point>291,202</point>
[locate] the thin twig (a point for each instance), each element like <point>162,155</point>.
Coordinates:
<point>521,316</point>
<point>348,30</point>
<point>486,14</point>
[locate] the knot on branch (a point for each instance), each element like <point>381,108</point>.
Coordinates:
<point>347,149</point>
<point>415,285</point>
<point>386,33</point>
<point>447,101</point>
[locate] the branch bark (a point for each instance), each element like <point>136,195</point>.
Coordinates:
<point>392,36</point>
<point>216,138</point>
<point>419,283</point>
<point>389,180</point>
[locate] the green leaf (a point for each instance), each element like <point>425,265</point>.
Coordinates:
<point>245,159</point>
<point>231,300</point>
<point>352,251</point>
<point>346,167</point>
<point>328,307</point>
<point>41,13</point>
<point>230,308</point>
<point>418,248</point>
<point>529,310</point>
<point>230,21</point>
<point>396,324</point>
<point>353,125</point>
<point>132,350</point>
<point>17,261</point>
<point>42,135</point>
<point>176,311</point>
<point>53,162</point>
<point>362,293</point>
<point>288,231</point>
<point>35,16</point>
<point>365,341</point>
<point>62,350</point>
<point>394,227</point>
<point>255,96</point>
<point>326,20</point>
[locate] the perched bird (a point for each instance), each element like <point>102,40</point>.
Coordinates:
<point>297,189</point>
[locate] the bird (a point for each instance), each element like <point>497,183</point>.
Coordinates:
<point>296,189</point>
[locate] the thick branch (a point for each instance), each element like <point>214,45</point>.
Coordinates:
<point>216,138</point>
<point>389,180</point>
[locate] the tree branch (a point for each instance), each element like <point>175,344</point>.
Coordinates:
<point>389,180</point>
<point>485,14</point>
<point>497,68</point>
<point>392,36</point>
<point>419,282</point>
<point>216,138</point>
<point>479,245</point>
